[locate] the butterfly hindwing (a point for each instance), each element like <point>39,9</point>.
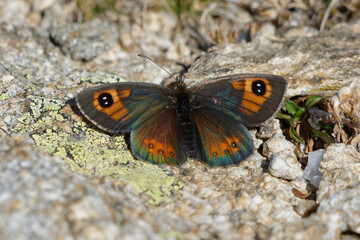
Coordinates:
<point>249,99</point>
<point>157,140</point>
<point>223,141</point>
<point>122,107</point>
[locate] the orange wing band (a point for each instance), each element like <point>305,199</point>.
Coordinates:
<point>117,110</point>
<point>252,103</point>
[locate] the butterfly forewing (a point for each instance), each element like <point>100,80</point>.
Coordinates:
<point>249,99</point>
<point>157,140</point>
<point>122,107</point>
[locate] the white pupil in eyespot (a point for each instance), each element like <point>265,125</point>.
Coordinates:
<point>258,85</point>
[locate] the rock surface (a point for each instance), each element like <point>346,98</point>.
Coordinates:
<point>62,178</point>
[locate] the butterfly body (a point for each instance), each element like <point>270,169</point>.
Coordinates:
<point>185,122</point>
<point>169,125</point>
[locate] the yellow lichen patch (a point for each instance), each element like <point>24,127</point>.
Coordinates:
<point>89,154</point>
<point>332,89</point>
<point>35,118</point>
<point>4,96</point>
<point>87,150</point>
<point>173,235</point>
<point>322,74</point>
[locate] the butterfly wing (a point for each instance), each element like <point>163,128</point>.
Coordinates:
<point>223,141</point>
<point>123,107</point>
<point>222,108</point>
<point>249,99</point>
<point>146,110</point>
<point>157,140</point>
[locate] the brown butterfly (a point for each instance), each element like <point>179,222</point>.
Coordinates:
<point>167,125</point>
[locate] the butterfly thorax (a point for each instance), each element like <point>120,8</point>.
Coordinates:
<point>185,121</point>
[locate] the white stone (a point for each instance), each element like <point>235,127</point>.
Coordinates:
<point>312,172</point>
<point>284,165</point>
<point>276,144</point>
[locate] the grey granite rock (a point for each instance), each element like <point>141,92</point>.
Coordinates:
<point>84,41</point>
<point>341,169</point>
<point>312,65</point>
<point>42,199</point>
<point>61,178</point>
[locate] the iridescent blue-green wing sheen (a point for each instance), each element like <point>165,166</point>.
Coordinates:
<point>223,141</point>
<point>157,140</point>
<point>123,107</point>
<point>249,99</point>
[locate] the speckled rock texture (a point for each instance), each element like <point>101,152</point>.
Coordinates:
<point>319,65</point>
<point>62,178</point>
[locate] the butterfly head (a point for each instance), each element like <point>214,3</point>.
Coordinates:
<point>178,85</point>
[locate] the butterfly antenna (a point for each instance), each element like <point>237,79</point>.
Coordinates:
<point>148,58</point>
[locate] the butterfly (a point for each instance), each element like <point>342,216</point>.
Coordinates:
<point>168,125</point>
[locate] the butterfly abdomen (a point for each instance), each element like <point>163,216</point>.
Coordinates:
<point>185,124</point>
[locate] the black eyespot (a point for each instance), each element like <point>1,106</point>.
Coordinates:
<point>151,145</point>
<point>233,145</point>
<point>105,100</point>
<point>258,87</point>
<point>172,154</point>
<point>215,154</point>
<point>227,151</point>
<point>160,151</point>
